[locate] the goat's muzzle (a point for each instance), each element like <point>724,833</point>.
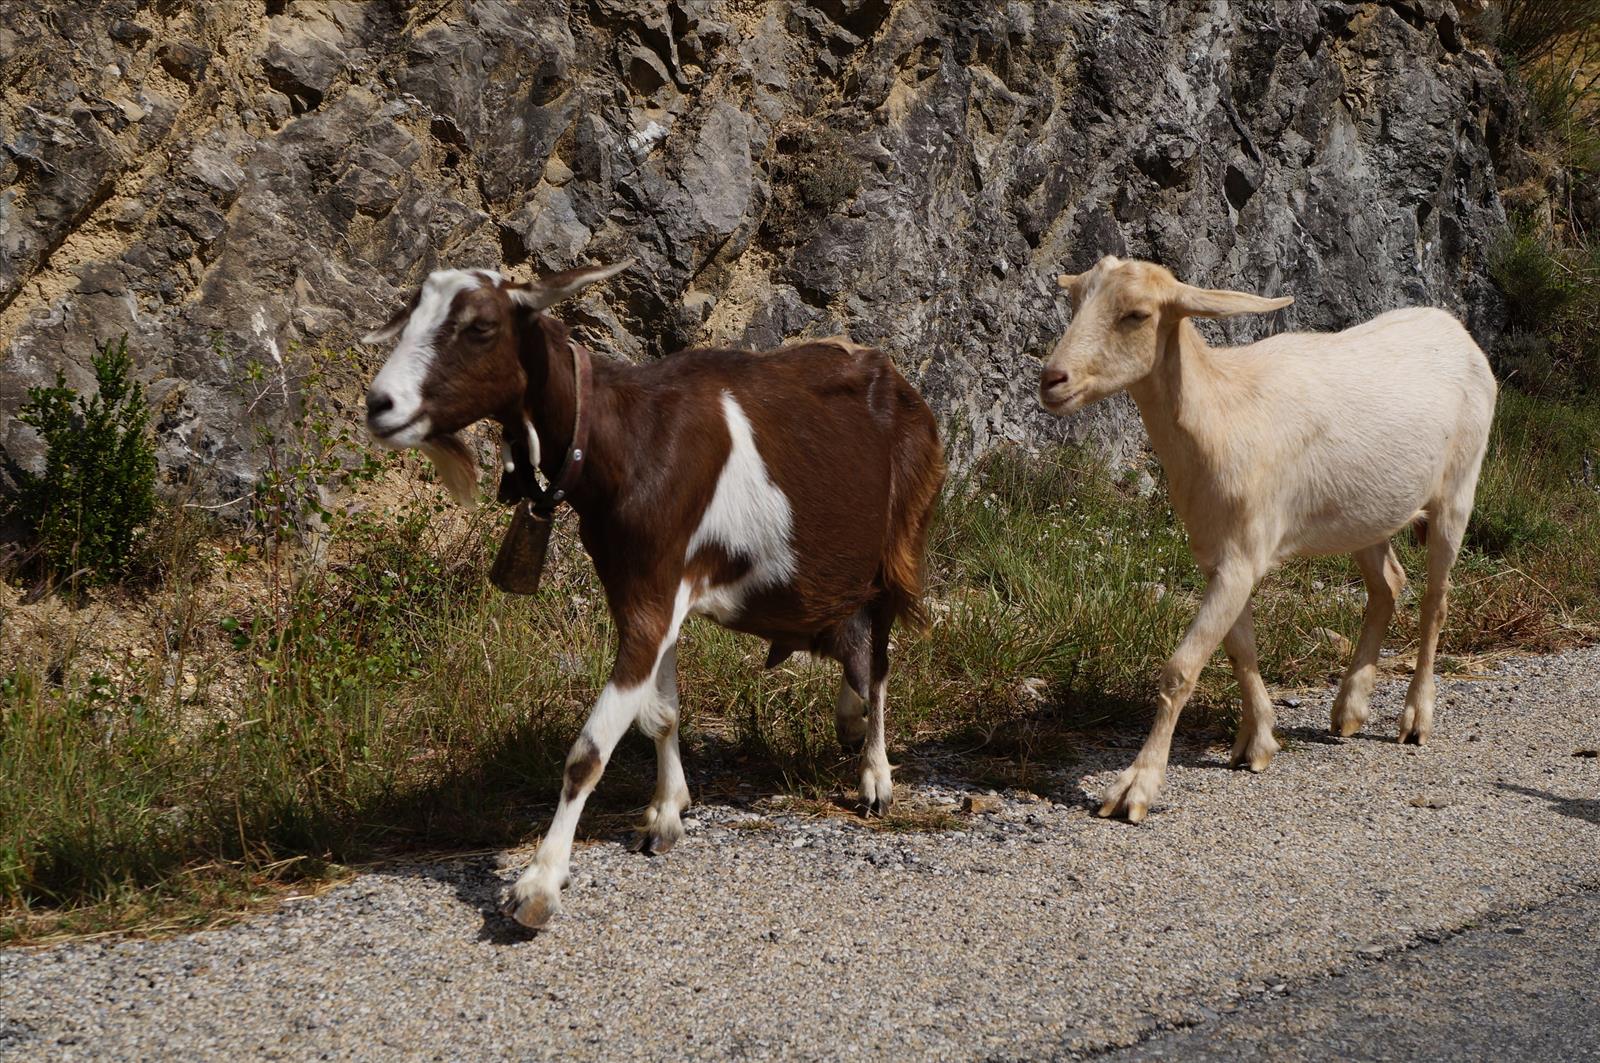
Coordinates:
<point>1056,392</point>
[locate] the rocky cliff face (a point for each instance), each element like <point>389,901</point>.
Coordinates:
<point>229,181</point>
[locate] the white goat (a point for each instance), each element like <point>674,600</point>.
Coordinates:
<point>1301,444</point>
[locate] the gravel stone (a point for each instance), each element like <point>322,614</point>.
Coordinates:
<point>946,945</point>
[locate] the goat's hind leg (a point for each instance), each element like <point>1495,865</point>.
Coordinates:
<point>663,823</point>
<point>852,647</point>
<point>850,718</point>
<point>877,784</point>
<point>1385,580</point>
<point>1445,532</point>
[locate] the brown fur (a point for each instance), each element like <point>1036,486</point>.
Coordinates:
<point>850,443</point>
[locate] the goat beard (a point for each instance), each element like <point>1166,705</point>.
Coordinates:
<point>457,467</point>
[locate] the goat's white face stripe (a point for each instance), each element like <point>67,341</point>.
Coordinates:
<point>402,376</point>
<point>749,517</point>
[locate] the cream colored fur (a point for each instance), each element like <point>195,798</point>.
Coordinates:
<point>1301,444</point>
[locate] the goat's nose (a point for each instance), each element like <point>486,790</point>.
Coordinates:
<point>378,404</point>
<point>1051,378</point>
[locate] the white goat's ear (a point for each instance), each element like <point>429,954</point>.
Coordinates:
<point>1072,284</point>
<point>1219,302</point>
<point>458,469</point>
<point>390,330</point>
<point>549,290</point>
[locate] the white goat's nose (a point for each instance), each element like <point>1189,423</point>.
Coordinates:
<point>378,404</point>
<point>1050,378</point>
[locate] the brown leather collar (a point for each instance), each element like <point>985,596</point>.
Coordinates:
<point>521,482</point>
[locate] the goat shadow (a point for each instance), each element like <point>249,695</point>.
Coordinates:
<point>1047,751</point>
<point>1584,808</point>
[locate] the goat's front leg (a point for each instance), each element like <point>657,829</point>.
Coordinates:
<point>631,692</point>
<point>1253,744</point>
<point>663,823</point>
<point>1227,593</point>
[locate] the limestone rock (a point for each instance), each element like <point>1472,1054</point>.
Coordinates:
<point>233,183</point>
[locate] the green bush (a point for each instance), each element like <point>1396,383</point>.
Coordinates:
<point>1552,291</point>
<point>97,491</point>
<point>813,175</point>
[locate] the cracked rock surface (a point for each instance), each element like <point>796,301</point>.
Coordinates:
<point>231,182</point>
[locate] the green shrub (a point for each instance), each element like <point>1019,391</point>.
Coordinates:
<point>1538,282</point>
<point>97,490</point>
<point>1550,270</point>
<point>1552,291</point>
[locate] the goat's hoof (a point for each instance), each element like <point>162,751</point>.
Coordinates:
<point>1253,754</point>
<point>658,833</point>
<point>1416,725</point>
<point>1347,725</point>
<point>532,906</point>
<point>877,791</point>
<point>1130,796</point>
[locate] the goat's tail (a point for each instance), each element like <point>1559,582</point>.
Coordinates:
<point>916,472</point>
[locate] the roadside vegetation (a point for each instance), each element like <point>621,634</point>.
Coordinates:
<point>299,707</point>
<point>1547,262</point>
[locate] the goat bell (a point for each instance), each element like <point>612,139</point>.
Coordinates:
<point>520,562</point>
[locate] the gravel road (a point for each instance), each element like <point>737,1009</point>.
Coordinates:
<point>1035,930</point>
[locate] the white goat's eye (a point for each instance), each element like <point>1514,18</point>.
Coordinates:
<point>1133,317</point>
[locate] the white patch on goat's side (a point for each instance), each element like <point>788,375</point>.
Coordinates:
<point>402,376</point>
<point>749,517</point>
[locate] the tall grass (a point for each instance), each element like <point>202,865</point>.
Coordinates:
<point>394,702</point>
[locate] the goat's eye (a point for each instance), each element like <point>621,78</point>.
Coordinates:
<point>480,329</point>
<point>1134,317</point>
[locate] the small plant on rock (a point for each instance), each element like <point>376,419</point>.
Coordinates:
<point>87,508</point>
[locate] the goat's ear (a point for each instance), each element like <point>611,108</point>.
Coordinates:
<point>391,329</point>
<point>1219,302</point>
<point>1072,284</point>
<point>549,290</point>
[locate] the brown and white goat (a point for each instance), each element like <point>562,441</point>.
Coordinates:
<point>784,494</point>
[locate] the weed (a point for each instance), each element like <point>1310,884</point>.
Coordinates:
<point>813,175</point>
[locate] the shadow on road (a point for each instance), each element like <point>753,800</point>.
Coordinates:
<point>1584,808</point>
